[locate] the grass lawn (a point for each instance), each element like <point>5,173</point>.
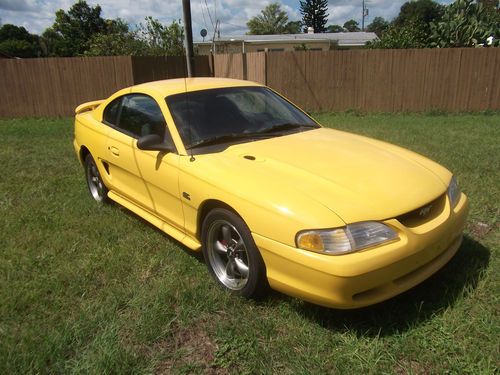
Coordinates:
<point>89,289</point>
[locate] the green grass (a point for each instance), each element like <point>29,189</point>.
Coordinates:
<point>89,289</point>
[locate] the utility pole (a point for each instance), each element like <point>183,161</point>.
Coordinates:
<point>365,14</point>
<point>217,26</point>
<point>188,32</point>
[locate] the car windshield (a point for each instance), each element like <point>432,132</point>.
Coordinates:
<point>234,114</point>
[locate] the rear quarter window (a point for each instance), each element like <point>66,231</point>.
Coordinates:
<point>111,112</point>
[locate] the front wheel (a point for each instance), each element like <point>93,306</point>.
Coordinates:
<point>96,186</point>
<point>231,255</point>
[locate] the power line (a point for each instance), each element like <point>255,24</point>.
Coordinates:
<point>209,15</point>
<point>231,24</point>
<point>203,14</point>
<point>215,9</point>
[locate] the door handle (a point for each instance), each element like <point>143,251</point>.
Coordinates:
<point>114,150</point>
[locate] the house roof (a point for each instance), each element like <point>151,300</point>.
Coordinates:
<point>343,39</point>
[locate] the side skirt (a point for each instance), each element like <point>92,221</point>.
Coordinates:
<point>190,242</point>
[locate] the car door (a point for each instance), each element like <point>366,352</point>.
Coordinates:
<point>160,169</point>
<point>147,178</point>
<point>125,116</point>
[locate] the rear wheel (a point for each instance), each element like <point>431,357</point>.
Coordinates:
<point>96,186</point>
<point>231,255</point>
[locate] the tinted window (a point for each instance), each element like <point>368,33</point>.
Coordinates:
<point>111,112</point>
<point>204,114</point>
<point>141,116</point>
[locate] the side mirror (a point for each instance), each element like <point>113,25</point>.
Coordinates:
<point>153,142</point>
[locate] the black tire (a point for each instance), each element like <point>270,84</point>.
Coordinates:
<point>96,186</point>
<point>229,250</point>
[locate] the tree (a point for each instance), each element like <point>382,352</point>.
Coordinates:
<point>293,27</point>
<point>492,7</point>
<point>118,40</point>
<point>51,42</point>
<point>314,14</point>
<point>151,38</point>
<point>378,26</point>
<point>18,42</point>
<point>271,20</point>
<point>411,28</point>
<point>410,35</point>
<point>465,24</point>
<point>420,11</point>
<point>72,31</point>
<point>490,4</point>
<point>301,47</point>
<point>351,26</point>
<point>161,40</point>
<point>334,29</point>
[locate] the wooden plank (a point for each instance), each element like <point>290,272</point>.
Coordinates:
<point>369,80</point>
<point>256,67</point>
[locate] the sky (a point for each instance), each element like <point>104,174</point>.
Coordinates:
<point>37,15</point>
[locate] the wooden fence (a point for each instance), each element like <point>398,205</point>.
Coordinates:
<point>368,80</point>
<point>249,66</point>
<point>55,86</point>
<point>451,80</point>
<point>150,68</point>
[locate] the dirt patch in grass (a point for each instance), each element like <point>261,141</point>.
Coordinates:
<point>480,230</point>
<point>189,349</point>
<point>408,366</point>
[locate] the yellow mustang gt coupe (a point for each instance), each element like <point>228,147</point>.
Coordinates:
<point>272,198</point>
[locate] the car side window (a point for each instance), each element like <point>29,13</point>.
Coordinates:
<point>112,111</point>
<point>141,116</point>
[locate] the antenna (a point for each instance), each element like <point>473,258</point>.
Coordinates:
<point>188,37</point>
<point>190,152</point>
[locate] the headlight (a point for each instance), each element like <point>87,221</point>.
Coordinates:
<point>348,239</point>
<point>454,192</point>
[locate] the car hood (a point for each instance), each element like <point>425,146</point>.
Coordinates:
<point>357,178</point>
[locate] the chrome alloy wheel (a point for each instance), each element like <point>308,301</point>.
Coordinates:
<point>227,254</point>
<point>94,181</point>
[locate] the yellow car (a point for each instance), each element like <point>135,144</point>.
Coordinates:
<point>235,170</point>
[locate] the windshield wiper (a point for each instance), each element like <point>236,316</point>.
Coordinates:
<point>224,138</point>
<point>286,126</point>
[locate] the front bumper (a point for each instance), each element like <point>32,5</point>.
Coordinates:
<point>370,276</point>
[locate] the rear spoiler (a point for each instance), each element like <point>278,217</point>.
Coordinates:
<point>89,106</point>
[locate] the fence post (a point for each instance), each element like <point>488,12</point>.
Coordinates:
<point>265,68</point>
<point>244,65</point>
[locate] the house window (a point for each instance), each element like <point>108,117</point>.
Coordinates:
<point>276,49</point>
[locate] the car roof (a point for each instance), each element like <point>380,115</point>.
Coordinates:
<point>179,85</point>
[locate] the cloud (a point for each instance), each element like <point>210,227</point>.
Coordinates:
<point>18,5</point>
<point>36,15</point>
<point>344,10</point>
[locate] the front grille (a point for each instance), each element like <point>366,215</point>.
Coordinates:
<point>424,213</point>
